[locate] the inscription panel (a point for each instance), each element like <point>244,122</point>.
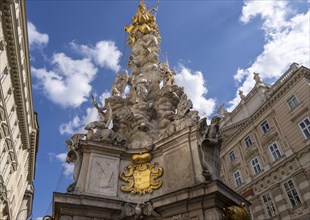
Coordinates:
<point>103,175</point>
<point>178,169</point>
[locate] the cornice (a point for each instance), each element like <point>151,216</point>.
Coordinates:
<point>29,138</point>
<point>275,96</point>
<point>233,128</point>
<point>12,51</point>
<point>253,91</point>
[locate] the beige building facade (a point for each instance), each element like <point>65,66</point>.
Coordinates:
<point>18,122</point>
<point>266,146</point>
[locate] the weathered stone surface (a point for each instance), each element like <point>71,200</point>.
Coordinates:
<point>178,169</point>
<point>65,217</point>
<point>204,201</point>
<point>103,175</point>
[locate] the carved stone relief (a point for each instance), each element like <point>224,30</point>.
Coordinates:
<point>103,175</point>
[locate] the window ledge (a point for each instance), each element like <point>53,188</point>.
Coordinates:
<point>298,113</point>
<point>298,209</point>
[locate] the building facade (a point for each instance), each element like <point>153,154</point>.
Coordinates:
<point>266,148</point>
<point>18,122</point>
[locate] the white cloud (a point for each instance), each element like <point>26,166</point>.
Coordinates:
<point>36,39</point>
<point>286,41</point>
<point>69,128</point>
<point>68,167</point>
<point>194,87</point>
<point>105,54</point>
<point>68,83</point>
<point>78,123</point>
<point>273,13</point>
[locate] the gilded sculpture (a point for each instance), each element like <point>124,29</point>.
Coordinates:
<point>142,176</point>
<point>144,21</point>
<point>236,213</point>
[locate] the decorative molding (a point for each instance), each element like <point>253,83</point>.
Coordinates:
<point>270,137</point>
<point>276,94</point>
<point>13,59</point>
<point>300,113</point>
<point>180,217</point>
<point>264,175</point>
<point>250,152</point>
<point>233,165</point>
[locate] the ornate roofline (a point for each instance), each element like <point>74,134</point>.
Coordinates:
<point>278,90</point>
<point>13,48</point>
<point>235,125</point>
<point>271,89</point>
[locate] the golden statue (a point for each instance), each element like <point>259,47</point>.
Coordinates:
<point>144,21</point>
<point>236,213</point>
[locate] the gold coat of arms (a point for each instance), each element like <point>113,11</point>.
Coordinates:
<point>142,176</point>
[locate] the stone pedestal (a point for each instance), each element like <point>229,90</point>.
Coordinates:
<point>202,201</point>
<point>184,193</point>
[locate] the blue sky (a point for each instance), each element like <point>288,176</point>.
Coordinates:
<point>77,47</point>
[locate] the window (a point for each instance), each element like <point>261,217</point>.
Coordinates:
<point>2,45</point>
<point>269,205</point>
<point>265,126</point>
<point>292,193</point>
<point>305,127</point>
<point>248,141</point>
<point>274,149</point>
<point>292,102</point>
<point>232,156</point>
<point>238,178</point>
<point>256,165</point>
